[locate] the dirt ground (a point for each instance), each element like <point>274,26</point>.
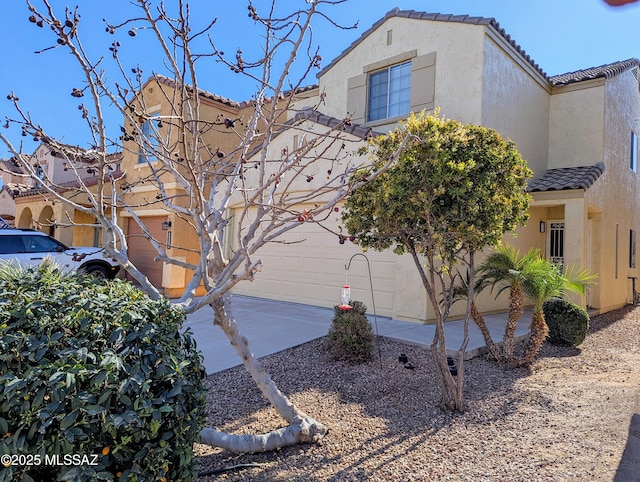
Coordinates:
<point>573,416</point>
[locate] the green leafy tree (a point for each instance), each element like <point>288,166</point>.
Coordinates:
<point>453,190</point>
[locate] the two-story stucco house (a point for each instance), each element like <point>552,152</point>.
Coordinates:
<point>578,132</point>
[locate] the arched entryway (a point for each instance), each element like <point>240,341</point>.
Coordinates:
<point>46,221</point>
<point>26,219</point>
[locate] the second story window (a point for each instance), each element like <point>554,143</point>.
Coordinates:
<point>148,144</point>
<point>389,92</point>
<point>633,160</point>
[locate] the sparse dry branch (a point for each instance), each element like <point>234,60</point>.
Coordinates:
<point>174,164</point>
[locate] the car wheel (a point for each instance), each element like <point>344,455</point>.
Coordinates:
<point>96,271</point>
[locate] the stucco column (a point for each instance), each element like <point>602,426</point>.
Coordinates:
<point>575,239</point>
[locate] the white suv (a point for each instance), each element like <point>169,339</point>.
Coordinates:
<point>29,247</point>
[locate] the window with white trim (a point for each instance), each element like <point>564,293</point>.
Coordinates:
<point>149,141</point>
<point>389,92</point>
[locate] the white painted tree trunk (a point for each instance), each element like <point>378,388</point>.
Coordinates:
<point>302,428</point>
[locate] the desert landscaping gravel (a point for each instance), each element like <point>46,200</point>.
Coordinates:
<point>567,418</point>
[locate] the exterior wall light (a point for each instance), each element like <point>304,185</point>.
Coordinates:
<point>166,225</point>
<point>543,226</point>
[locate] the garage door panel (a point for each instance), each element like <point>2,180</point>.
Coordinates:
<point>313,271</point>
<point>333,266</point>
<point>141,253</point>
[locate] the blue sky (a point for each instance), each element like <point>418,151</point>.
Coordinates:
<point>560,35</point>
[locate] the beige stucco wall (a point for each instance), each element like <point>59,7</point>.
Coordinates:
<point>617,191</point>
<point>515,101</point>
<point>310,268</point>
<point>576,127</point>
<point>7,206</point>
<point>459,65</point>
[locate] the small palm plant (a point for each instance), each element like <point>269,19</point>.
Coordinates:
<point>505,267</point>
<point>542,281</point>
<point>529,275</point>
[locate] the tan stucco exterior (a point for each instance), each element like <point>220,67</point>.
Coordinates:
<point>482,77</point>
<point>473,72</point>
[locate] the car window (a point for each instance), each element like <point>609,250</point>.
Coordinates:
<point>11,245</point>
<point>40,244</point>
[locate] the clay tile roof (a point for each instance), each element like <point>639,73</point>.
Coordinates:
<point>606,71</point>
<point>67,151</point>
<point>581,177</point>
<point>356,130</point>
<point>16,189</point>
<point>10,165</point>
<point>438,17</point>
<point>333,122</point>
<point>202,93</point>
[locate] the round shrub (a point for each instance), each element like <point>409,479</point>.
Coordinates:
<point>97,371</point>
<point>350,336</point>
<point>568,323</point>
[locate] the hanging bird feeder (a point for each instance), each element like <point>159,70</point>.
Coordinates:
<point>346,297</point>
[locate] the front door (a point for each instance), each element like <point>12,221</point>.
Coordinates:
<point>555,242</point>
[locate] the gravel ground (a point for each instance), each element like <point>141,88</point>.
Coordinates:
<point>567,418</point>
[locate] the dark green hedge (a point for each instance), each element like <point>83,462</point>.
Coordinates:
<point>350,336</point>
<point>90,368</point>
<point>568,323</point>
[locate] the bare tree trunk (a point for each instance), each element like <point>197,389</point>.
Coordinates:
<point>539,332</point>
<point>438,345</point>
<point>515,311</point>
<point>471,288</point>
<point>444,377</point>
<point>302,428</point>
<point>482,326</point>
<point>448,386</point>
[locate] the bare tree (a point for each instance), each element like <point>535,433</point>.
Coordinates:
<point>194,179</point>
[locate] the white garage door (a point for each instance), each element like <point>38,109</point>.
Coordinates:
<point>308,266</point>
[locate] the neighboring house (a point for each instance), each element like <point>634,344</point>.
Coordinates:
<point>578,132</point>
<point>154,102</point>
<point>11,183</point>
<point>60,165</point>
